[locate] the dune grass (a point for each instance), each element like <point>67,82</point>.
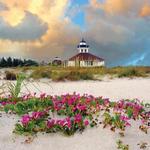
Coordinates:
<point>77,73</point>
<point>41,73</point>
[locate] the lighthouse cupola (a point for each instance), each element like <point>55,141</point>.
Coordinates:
<point>83,47</point>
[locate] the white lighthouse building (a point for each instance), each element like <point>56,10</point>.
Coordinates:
<point>84,58</point>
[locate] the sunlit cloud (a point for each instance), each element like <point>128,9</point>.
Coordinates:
<point>38,24</point>
<point>123,7</point>
<point>145,11</point>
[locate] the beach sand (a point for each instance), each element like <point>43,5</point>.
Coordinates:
<point>90,139</point>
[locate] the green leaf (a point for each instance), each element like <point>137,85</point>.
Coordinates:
<point>101,101</point>
<point>20,108</point>
<point>8,107</point>
<point>19,129</point>
<point>129,112</point>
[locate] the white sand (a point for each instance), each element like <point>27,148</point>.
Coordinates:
<point>91,139</point>
<point>115,89</point>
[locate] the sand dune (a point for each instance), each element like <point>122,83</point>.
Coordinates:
<point>91,139</point>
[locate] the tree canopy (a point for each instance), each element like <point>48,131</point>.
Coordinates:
<point>14,62</point>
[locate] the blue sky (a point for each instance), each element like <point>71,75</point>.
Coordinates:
<point>79,2</point>
<point>79,17</point>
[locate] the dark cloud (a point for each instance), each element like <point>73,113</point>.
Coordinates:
<point>31,28</point>
<point>120,40</point>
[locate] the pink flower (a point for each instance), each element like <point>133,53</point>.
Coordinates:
<point>88,100</point>
<point>143,121</point>
<point>25,119</point>
<point>106,102</point>
<point>70,101</point>
<point>81,107</point>
<point>63,101</point>
<point>57,105</point>
<point>86,122</point>
<point>3,103</point>
<point>50,123</point>
<point>37,115</point>
<point>43,95</point>
<point>127,124</point>
<point>62,122</point>
<point>68,122</point>
<point>78,118</point>
<point>124,118</point>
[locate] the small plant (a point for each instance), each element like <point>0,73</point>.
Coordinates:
<point>15,89</point>
<point>122,146</point>
<point>86,76</point>
<point>143,145</point>
<point>131,73</point>
<point>10,75</point>
<point>41,73</point>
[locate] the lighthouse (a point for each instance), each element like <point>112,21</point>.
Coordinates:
<point>84,58</point>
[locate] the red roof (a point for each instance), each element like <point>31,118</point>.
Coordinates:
<point>85,57</point>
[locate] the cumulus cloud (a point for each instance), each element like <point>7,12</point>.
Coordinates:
<point>43,20</point>
<point>31,28</point>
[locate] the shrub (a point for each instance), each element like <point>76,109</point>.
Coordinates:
<point>72,76</point>
<point>86,76</point>
<point>41,73</point>
<point>10,75</point>
<point>59,76</point>
<point>131,73</point>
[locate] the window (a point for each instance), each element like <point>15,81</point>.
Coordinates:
<point>85,50</point>
<point>81,50</point>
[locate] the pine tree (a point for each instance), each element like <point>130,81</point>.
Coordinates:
<point>9,62</point>
<point>3,62</point>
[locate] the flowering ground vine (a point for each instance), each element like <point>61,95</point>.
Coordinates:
<point>69,114</point>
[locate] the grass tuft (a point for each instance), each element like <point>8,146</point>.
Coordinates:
<point>41,73</point>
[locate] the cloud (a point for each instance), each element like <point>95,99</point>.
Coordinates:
<point>117,30</point>
<point>31,28</point>
<point>61,41</point>
<point>15,11</point>
<point>123,7</point>
<point>114,6</point>
<point>3,7</point>
<point>38,28</point>
<point>120,37</point>
<point>145,11</point>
